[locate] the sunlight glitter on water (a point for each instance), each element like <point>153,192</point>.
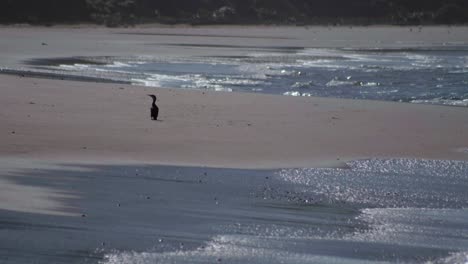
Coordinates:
<point>413,210</point>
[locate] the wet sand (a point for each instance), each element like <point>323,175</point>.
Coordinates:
<point>163,214</point>
<point>22,43</point>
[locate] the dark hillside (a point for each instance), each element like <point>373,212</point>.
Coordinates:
<point>43,11</point>
<point>120,12</point>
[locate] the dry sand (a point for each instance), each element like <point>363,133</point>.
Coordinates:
<point>100,123</point>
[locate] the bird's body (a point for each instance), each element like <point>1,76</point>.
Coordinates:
<point>154,112</point>
<point>154,108</point>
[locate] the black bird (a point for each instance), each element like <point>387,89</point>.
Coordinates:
<point>154,108</point>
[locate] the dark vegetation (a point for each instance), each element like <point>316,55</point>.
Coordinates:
<point>129,12</point>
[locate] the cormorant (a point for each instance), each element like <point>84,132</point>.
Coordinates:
<point>154,108</point>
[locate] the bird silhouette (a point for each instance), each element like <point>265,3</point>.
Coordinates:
<point>154,108</point>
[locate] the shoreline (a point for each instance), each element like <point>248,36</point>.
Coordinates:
<point>89,79</point>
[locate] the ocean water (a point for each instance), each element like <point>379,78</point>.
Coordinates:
<point>431,75</point>
<point>374,211</point>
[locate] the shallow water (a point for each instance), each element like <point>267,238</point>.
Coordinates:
<point>432,75</point>
<point>394,210</point>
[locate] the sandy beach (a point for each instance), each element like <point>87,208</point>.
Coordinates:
<point>89,122</point>
<point>87,177</point>
<point>60,121</point>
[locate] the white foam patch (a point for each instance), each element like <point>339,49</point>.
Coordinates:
<point>233,81</point>
<point>257,71</point>
<point>196,81</point>
<point>322,63</point>
<point>81,70</point>
<point>366,58</point>
<point>138,62</point>
<point>386,91</point>
<point>439,101</point>
<point>297,93</point>
<point>225,249</point>
<point>161,80</point>
<point>118,64</point>
<point>303,85</point>
<point>201,82</point>
<point>368,84</point>
<point>76,67</point>
<point>335,82</point>
<point>348,82</point>
<point>454,258</point>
